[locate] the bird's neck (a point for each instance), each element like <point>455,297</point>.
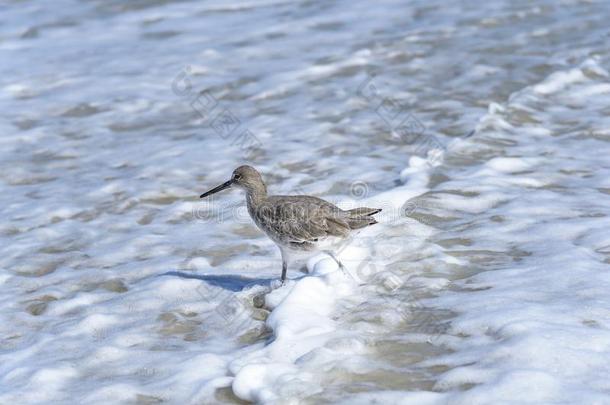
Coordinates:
<point>255,195</point>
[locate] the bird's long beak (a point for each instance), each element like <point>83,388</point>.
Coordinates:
<point>216,189</point>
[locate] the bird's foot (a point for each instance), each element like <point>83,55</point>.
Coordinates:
<point>348,274</point>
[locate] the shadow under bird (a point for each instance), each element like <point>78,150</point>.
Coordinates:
<point>298,224</point>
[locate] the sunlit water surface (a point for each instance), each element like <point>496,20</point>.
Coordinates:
<point>486,280</point>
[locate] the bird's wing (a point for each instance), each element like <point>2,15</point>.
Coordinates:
<point>301,220</point>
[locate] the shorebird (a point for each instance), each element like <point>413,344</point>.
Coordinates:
<point>298,224</point>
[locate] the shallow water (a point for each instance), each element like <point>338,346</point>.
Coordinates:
<point>486,279</point>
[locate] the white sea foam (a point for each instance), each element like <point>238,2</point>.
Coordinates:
<point>534,329</point>
<point>485,280</point>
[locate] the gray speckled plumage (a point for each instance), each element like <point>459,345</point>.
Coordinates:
<point>296,223</point>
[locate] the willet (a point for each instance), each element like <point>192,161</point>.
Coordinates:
<point>298,224</point>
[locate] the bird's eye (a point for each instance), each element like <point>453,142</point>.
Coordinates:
<point>237,176</point>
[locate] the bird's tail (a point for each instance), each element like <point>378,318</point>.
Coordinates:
<point>361,217</point>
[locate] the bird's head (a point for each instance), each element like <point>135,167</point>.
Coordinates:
<point>245,177</point>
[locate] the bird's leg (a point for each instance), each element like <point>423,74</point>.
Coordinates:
<point>331,254</point>
<point>341,266</point>
<point>284,266</point>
